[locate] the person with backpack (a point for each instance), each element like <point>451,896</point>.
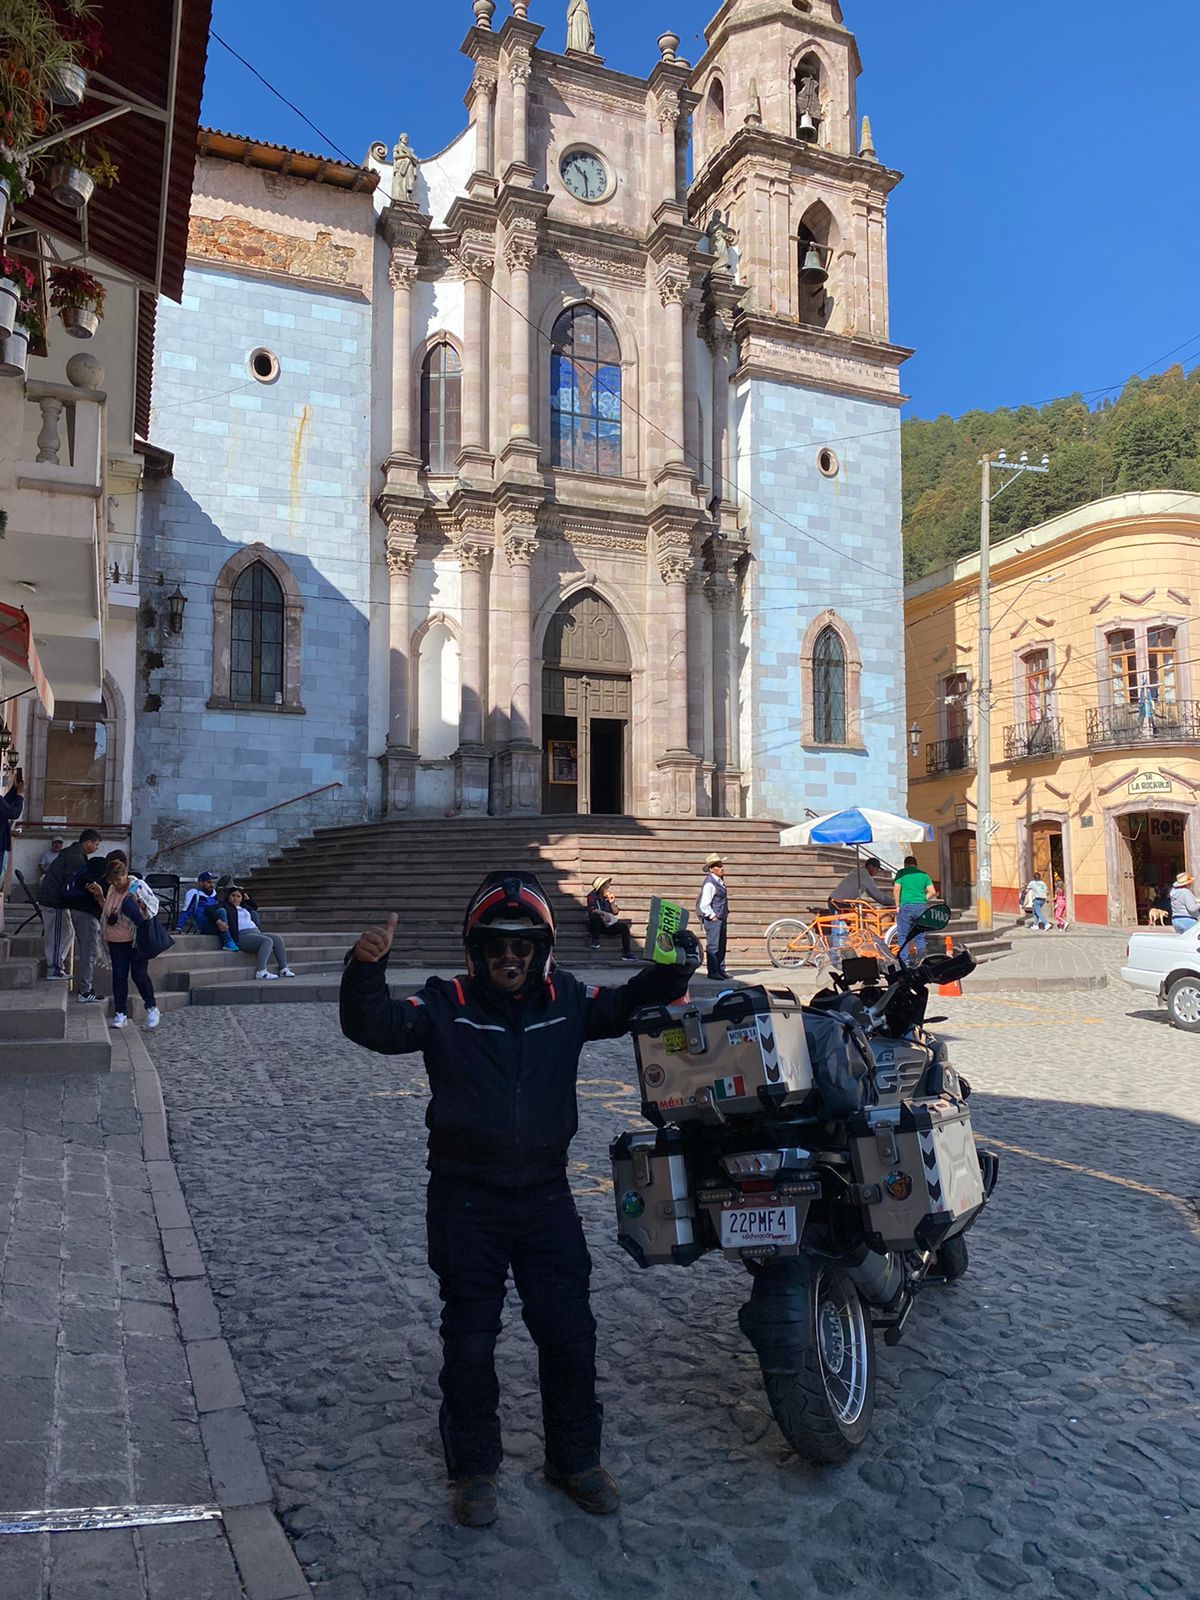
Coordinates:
<point>501,1045</point>
<point>60,893</point>
<point>122,912</point>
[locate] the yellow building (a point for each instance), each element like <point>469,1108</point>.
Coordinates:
<point>1095,735</point>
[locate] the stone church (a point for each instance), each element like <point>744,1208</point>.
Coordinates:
<point>556,473</point>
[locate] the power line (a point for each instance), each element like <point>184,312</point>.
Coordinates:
<point>279,95</point>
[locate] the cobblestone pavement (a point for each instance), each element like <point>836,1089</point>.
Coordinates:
<point>1036,1431</point>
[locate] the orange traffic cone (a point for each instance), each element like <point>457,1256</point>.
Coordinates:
<point>950,988</point>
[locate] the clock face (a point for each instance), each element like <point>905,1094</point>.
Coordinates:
<point>585,175</point>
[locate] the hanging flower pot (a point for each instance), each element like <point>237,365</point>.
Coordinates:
<point>71,186</point>
<point>14,182</point>
<point>79,322</point>
<point>14,353</point>
<point>16,281</point>
<point>68,85</point>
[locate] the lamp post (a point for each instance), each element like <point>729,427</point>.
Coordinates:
<point>986,824</point>
<point>914,740</point>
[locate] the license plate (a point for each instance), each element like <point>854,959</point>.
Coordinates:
<point>743,1227</point>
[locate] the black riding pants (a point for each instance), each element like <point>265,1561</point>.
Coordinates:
<point>475,1235</point>
<point>597,927</point>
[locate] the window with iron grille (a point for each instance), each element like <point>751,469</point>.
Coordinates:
<point>585,393</point>
<point>829,688</point>
<point>256,638</point>
<point>441,408</point>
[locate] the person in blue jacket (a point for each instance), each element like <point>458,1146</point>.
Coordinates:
<point>501,1046</point>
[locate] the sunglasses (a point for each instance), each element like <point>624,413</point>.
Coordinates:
<point>494,948</point>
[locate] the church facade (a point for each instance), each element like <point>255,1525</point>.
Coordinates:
<point>570,481</point>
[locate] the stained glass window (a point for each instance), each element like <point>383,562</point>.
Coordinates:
<point>256,638</point>
<point>585,393</point>
<point>441,408</point>
<point>829,688</point>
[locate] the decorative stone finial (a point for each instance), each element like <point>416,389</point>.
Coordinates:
<point>668,44</point>
<point>866,145</point>
<point>520,10</point>
<point>484,11</point>
<point>85,372</point>
<point>754,107</point>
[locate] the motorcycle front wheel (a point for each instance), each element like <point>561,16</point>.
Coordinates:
<point>816,1348</point>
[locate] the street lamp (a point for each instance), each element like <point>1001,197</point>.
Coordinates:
<point>987,824</point>
<point>914,740</point>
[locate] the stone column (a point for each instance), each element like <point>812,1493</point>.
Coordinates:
<point>519,251</point>
<point>677,766</point>
<point>470,759</point>
<point>401,553</point>
<point>718,344</point>
<point>520,70</point>
<point>476,259</point>
<point>727,785</point>
<point>693,448</point>
<point>520,768</point>
<point>668,119</point>
<point>672,286</point>
<point>485,87</point>
<point>699,703</point>
<point>402,272</point>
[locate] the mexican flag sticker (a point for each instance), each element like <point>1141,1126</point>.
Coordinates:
<point>729,1088</point>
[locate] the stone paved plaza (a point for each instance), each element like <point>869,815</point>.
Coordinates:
<point>1036,1431</point>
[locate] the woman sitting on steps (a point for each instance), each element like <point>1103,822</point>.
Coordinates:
<point>239,930</point>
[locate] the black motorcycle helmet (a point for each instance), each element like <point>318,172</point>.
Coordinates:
<point>509,902</point>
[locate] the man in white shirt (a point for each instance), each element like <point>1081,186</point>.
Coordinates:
<point>713,910</point>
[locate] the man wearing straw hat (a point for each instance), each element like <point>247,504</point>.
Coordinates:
<point>713,910</point>
<point>603,917</point>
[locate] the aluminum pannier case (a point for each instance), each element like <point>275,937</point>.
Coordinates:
<point>744,1054</point>
<point>919,1168</point>
<point>657,1218</point>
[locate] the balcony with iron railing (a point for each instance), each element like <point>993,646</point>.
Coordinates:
<point>1150,722</point>
<point>950,755</point>
<point>1034,741</point>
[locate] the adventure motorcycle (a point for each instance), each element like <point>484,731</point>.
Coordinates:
<point>829,1148</point>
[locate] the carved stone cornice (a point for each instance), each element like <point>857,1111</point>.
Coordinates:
<point>599,263</point>
<point>777,347</point>
<point>752,147</point>
<point>403,226</point>
<point>675,564</point>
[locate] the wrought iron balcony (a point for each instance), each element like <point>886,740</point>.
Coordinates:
<point>950,755</point>
<point>1033,741</point>
<point>1110,727</point>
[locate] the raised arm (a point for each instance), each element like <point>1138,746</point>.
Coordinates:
<point>368,1014</point>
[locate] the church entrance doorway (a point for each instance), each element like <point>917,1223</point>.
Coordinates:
<point>587,690</point>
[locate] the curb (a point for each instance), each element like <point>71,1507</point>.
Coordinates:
<point>1013,984</point>
<point>265,1560</point>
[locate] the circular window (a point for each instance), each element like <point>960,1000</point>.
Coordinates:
<point>828,464</point>
<point>264,365</point>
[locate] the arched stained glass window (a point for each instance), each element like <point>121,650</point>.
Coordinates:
<point>441,408</point>
<point>829,688</point>
<point>585,393</point>
<point>256,638</point>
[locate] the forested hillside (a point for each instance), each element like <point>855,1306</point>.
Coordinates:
<point>1149,438</point>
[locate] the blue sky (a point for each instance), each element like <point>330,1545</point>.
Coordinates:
<point>1046,236</point>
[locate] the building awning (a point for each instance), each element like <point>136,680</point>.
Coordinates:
<point>17,647</point>
<point>154,58</point>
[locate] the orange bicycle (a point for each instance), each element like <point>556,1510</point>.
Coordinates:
<point>793,943</point>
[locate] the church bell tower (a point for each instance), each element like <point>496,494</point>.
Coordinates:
<point>788,186</point>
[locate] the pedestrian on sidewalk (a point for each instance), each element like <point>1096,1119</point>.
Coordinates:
<point>713,910</point>
<point>1036,895</point>
<point>501,1047</point>
<point>1061,921</point>
<point>61,884</point>
<point>912,889</point>
<point>1185,908</point>
<point>47,857</point>
<point>239,929</point>
<point>122,913</point>
<point>603,914</point>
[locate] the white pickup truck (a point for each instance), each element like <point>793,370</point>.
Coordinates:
<point>1168,965</point>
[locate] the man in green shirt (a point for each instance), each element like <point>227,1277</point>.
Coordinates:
<point>912,889</point>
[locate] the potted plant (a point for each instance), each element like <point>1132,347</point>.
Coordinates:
<point>14,182</point>
<point>16,284</point>
<point>78,297</point>
<point>14,346</point>
<point>34,50</point>
<point>78,26</point>
<point>82,166</point>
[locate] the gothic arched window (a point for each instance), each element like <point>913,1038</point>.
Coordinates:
<point>585,393</point>
<point>441,408</point>
<point>829,688</point>
<point>256,637</point>
<point>714,118</point>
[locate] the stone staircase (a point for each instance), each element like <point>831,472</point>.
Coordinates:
<point>42,1027</point>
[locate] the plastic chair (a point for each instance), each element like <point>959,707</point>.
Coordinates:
<point>35,914</point>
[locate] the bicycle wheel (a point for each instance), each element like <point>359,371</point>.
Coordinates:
<point>790,942</point>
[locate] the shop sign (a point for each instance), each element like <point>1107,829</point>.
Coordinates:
<point>1150,783</point>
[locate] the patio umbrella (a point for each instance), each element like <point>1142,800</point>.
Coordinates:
<point>858,825</point>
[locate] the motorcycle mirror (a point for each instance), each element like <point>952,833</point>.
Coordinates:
<point>933,918</point>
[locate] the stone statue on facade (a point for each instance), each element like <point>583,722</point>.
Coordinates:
<point>720,239</point>
<point>404,171</point>
<point>579,28</point>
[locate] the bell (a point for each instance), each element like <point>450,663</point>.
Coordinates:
<point>806,129</point>
<point>812,270</point>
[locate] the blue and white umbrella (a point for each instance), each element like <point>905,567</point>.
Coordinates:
<point>859,825</point>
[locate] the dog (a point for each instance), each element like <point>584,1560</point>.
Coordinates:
<point>1158,917</point>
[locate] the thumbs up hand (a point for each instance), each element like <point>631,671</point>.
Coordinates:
<point>375,943</point>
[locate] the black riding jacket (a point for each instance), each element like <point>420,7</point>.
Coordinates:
<point>502,1070</point>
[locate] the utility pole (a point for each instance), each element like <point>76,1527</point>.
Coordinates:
<point>985,823</point>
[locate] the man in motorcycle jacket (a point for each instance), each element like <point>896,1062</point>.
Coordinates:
<point>501,1047</point>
